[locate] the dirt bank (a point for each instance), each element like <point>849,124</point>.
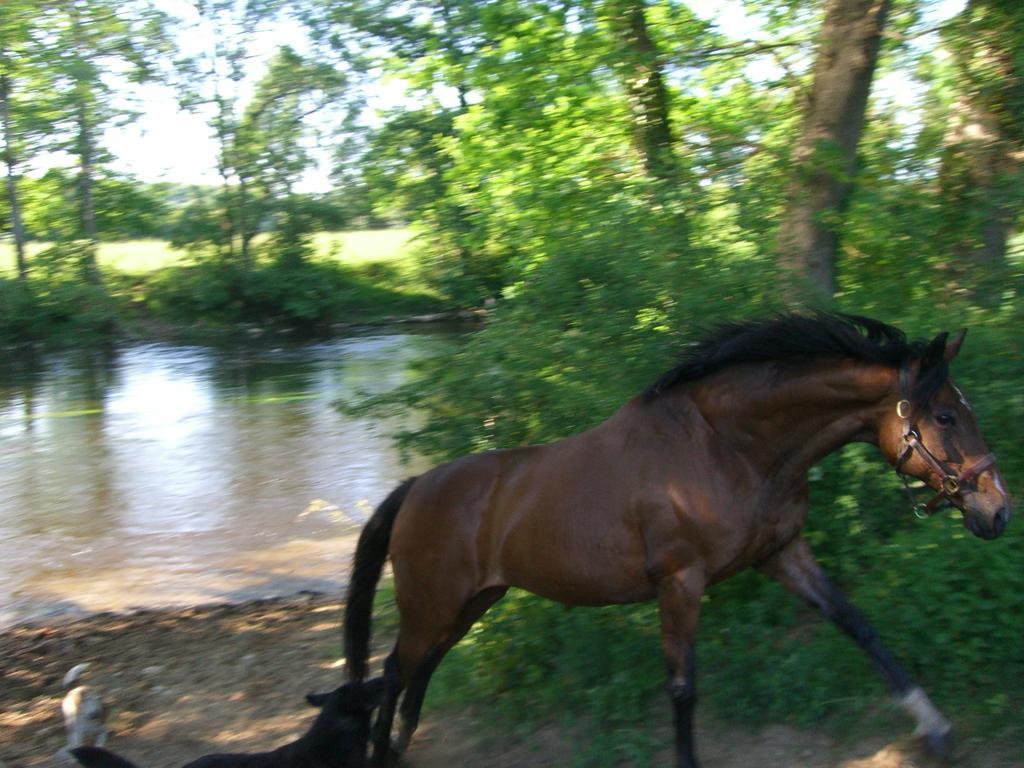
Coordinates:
<point>181,683</point>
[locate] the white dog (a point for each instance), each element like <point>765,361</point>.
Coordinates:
<point>83,711</point>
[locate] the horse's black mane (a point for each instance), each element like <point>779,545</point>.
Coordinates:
<point>790,338</point>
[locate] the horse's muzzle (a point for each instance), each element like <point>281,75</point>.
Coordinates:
<point>988,528</point>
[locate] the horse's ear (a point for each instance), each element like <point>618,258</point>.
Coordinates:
<point>934,353</point>
<point>953,347</point>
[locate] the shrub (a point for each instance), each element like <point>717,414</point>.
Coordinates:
<point>55,303</point>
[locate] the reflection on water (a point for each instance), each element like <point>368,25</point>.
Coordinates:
<point>164,474</point>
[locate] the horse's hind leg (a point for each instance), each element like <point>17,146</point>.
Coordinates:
<point>678,606</point>
<point>386,713</point>
<point>423,640</point>
<point>417,688</point>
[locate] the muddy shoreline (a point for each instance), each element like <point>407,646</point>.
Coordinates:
<point>184,682</point>
<point>177,682</point>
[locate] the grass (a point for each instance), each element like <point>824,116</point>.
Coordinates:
<point>356,248</point>
<point>365,245</point>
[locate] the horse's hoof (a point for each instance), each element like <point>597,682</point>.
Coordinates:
<point>399,745</point>
<point>940,745</point>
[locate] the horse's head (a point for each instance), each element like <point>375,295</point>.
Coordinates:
<point>930,433</point>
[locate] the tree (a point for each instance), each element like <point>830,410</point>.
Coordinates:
<point>435,47</point>
<point>498,84</point>
<point>264,139</point>
<point>125,207</point>
<point>642,71</point>
<point>14,52</point>
<point>981,181</point>
<point>269,148</point>
<point>644,80</point>
<point>214,78</point>
<point>86,45</point>
<point>824,162</point>
<point>10,161</point>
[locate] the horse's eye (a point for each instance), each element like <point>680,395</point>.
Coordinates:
<point>945,419</point>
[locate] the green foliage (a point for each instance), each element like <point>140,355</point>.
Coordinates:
<point>198,223</point>
<point>306,293</point>
<point>548,662</point>
<point>350,277</point>
<point>125,208</point>
<point>55,302</point>
<point>264,133</point>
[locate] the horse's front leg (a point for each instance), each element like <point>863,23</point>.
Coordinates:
<point>796,569</point>
<point>678,605</point>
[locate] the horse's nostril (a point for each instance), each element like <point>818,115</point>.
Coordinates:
<point>999,520</point>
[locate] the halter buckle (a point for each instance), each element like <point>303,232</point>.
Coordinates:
<point>951,485</point>
<point>903,409</point>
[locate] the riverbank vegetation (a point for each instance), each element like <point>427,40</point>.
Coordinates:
<point>348,278</point>
<point>613,177</point>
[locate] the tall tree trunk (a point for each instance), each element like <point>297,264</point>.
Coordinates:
<point>17,228</point>
<point>225,134</point>
<point>645,88</point>
<point>453,213</point>
<point>246,228</point>
<point>86,178</point>
<point>86,174</point>
<point>826,154</point>
<point>980,169</point>
<point>981,180</point>
<point>85,148</point>
<point>648,98</point>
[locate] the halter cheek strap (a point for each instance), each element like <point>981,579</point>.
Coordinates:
<point>950,482</point>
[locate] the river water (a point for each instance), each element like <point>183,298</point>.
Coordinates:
<point>159,474</point>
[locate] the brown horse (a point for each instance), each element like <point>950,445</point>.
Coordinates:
<point>701,476</point>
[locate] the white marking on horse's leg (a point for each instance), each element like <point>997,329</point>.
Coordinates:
<point>929,719</point>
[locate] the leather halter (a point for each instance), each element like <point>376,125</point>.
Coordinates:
<point>950,482</point>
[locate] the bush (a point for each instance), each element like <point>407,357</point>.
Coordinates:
<point>55,303</point>
<point>298,294</point>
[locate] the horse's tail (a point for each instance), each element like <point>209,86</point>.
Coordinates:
<point>371,552</point>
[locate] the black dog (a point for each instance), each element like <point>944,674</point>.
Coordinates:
<point>337,738</point>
